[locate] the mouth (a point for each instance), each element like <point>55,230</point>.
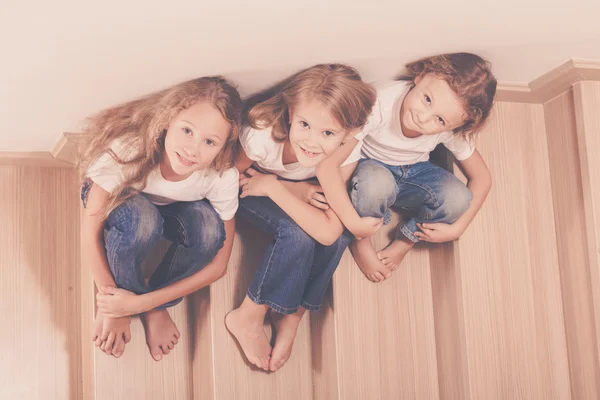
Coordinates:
<point>307,153</point>
<point>412,119</point>
<point>184,161</point>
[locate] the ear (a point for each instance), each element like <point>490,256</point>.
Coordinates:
<point>290,116</point>
<point>419,78</point>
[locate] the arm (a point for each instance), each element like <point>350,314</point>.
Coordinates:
<point>324,226</point>
<point>479,183</point>
<point>333,179</point>
<point>92,237</point>
<point>119,302</point>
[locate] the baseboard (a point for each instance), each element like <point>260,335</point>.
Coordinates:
<point>32,159</point>
<point>554,83</point>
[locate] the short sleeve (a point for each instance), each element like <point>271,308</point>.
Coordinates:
<point>106,171</point>
<point>255,143</point>
<point>461,147</point>
<point>223,195</point>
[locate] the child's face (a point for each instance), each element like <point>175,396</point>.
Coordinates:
<point>431,107</point>
<point>314,133</point>
<point>194,138</point>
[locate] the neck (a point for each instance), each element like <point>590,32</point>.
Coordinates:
<point>289,157</point>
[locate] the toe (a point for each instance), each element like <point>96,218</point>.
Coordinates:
<point>119,347</point>
<point>156,353</point>
<point>379,276</point>
<point>110,342</point>
<point>127,335</point>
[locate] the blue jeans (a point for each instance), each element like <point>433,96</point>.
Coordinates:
<point>295,270</point>
<point>135,227</point>
<point>427,192</point>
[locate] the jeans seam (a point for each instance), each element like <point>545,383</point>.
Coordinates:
<point>431,194</point>
<point>267,267</point>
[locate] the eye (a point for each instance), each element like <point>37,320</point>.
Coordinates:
<point>328,133</point>
<point>427,99</point>
<point>303,124</point>
<point>186,130</point>
<point>441,121</point>
<point>210,142</point>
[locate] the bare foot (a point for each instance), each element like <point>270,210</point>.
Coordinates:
<point>251,336</point>
<point>394,253</point>
<point>365,256</point>
<point>285,327</point>
<point>111,334</point>
<point>161,333</point>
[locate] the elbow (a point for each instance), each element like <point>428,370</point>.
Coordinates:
<point>221,272</point>
<point>329,238</point>
<point>326,241</point>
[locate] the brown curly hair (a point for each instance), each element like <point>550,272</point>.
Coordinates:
<point>469,76</point>
<point>143,123</point>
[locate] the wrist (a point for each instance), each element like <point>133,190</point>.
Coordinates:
<point>145,302</point>
<point>275,186</point>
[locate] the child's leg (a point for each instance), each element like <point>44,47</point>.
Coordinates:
<point>433,195</point>
<point>279,282</point>
<point>373,191</point>
<point>286,326</point>
<point>197,233</point>
<point>131,231</point>
<point>324,265</point>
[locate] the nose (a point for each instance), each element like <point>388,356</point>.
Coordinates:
<point>422,117</point>
<point>191,152</point>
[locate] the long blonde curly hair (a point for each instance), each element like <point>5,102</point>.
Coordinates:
<point>339,87</point>
<point>144,122</point>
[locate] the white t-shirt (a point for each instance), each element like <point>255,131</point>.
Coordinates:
<point>383,137</point>
<point>220,190</point>
<point>268,155</point>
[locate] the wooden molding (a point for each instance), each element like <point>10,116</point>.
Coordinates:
<point>552,84</point>
<point>32,159</point>
<point>68,146</point>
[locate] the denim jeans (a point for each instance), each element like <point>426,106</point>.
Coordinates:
<point>135,227</point>
<point>427,192</point>
<point>295,270</point>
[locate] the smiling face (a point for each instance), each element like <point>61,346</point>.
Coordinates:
<point>314,133</point>
<point>194,138</point>
<point>431,107</point>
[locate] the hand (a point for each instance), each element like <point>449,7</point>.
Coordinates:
<point>116,303</point>
<point>365,227</point>
<point>308,192</point>
<point>438,232</point>
<point>254,183</point>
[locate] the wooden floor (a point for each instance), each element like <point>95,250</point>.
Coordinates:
<point>509,311</point>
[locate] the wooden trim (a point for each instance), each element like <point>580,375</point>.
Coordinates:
<point>32,158</point>
<point>554,83</point>
<point>68,146</point>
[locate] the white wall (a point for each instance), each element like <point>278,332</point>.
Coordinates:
<point>62,60</point>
